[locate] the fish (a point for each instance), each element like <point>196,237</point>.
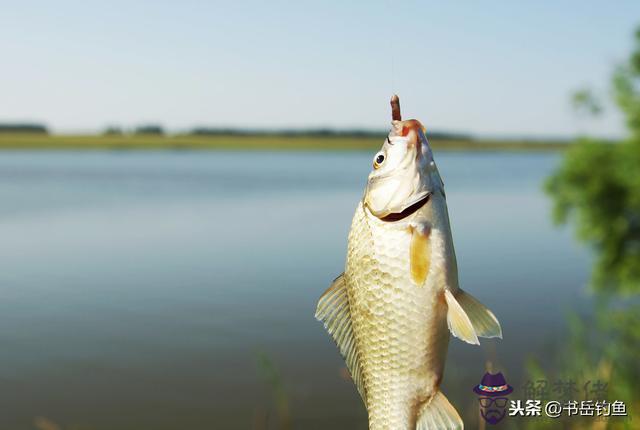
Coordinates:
<point>393,308</point>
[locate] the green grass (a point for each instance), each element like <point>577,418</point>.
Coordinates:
<point>266,142</point>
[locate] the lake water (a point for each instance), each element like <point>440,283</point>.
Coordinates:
<point>138,289</point>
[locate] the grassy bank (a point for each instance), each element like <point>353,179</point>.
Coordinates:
<point>266,142</point>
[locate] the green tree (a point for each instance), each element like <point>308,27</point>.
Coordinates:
<point>597,189</point>
<point>626,89</point>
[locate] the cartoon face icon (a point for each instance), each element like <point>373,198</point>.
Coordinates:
<point>492,392</point>
<point>493,409</point>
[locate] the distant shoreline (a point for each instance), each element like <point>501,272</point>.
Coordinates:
<point>253,142</point>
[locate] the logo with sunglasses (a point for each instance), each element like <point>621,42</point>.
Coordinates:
<point>492,394</point>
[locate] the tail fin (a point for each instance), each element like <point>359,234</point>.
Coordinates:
<point>439,414</point>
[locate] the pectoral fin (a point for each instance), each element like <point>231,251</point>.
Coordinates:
<point>439,414</point>
<point>333,311</point>
<point>469,319</point>
<point>458,321</point>
<point>420,254</point>
<point>483,320</point>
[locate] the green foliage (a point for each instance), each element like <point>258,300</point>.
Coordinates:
<point>598,186</point>
<point>8,128</point>
<point>626,89</point>
<point>113,131</point>
<point>252,142</point>
<point>585,102</point>
<point>150,129</point>
<point>602,350</point>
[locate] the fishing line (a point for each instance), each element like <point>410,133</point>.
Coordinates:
<point>393,66</point>
<point>391,49</point>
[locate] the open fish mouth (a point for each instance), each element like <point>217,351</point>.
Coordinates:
<point>409,210</point>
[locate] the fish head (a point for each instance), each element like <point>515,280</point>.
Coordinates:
<point>404,172</point>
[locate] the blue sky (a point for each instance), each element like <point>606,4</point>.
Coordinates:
<point>502,69</point>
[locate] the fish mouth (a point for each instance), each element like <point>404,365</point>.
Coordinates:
<point>410,210</point>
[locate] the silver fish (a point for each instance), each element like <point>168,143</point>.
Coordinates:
<point>391,311</point>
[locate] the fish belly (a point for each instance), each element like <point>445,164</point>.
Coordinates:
<point>400,328</point>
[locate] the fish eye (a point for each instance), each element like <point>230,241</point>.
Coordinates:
<point>377,162</point>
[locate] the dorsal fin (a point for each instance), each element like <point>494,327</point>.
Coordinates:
<point>333,311</point>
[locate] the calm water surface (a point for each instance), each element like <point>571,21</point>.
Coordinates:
<point>138,288</point>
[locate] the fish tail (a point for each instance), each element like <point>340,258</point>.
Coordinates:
<point>438,414</point>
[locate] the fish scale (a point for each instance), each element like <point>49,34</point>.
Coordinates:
<point>392,322</point>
